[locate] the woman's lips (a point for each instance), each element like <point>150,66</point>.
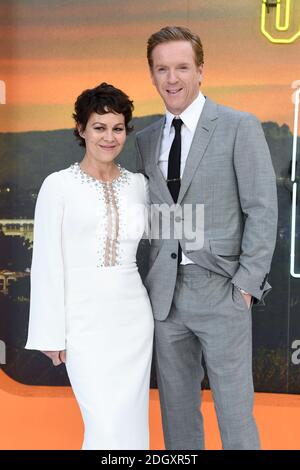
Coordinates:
<point>107,147</point>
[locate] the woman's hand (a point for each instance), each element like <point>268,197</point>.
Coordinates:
<point>57,357</point>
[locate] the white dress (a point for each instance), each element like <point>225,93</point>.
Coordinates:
<point>87,297</point>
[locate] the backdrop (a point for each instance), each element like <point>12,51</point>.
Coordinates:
<point>52,50</point>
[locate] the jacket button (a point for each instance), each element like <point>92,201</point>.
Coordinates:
<point>173,255</point>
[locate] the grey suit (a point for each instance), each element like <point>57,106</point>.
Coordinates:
<point>198,308</point>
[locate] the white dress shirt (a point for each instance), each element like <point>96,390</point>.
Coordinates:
<point>190,117</point>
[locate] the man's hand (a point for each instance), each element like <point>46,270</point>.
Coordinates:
<point>248,299</point>
<point>57,357</point>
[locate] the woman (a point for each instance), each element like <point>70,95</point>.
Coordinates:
<point>89,307</point>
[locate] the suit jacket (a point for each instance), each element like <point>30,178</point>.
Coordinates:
<point>228,170</point>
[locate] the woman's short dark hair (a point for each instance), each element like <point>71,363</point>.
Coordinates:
<point>102,99</point>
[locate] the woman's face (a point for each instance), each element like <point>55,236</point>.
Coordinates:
<point>105,136</point>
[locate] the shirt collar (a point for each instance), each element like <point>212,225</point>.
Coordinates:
<point>190,116</point>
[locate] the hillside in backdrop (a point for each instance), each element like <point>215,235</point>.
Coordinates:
<point>26,158</point>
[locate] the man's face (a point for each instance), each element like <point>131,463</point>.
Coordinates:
<point>175,74</point>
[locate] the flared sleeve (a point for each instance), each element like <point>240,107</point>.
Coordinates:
<point>46,330</point>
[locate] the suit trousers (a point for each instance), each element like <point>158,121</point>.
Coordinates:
<point>208,317</point>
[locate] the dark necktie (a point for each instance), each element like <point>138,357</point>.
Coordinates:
<point>173,179</point>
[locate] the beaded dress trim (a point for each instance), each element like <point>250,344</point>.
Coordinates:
<point>109,192</point>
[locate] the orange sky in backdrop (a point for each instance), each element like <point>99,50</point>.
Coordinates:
<point>51,50</point>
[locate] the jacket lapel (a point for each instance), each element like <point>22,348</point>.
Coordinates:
<point>203,133</point>
<point>158,179</point>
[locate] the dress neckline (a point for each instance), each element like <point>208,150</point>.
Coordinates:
<point>98,180</point>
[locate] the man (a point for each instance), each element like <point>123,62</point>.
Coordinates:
<point>205,154</point>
